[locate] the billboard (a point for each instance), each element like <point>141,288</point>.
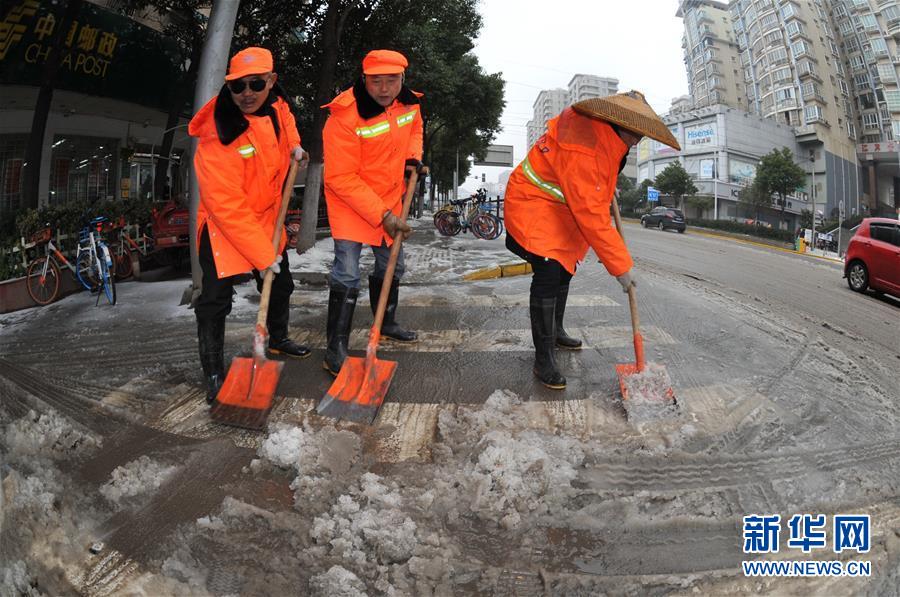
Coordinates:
<point>700,137</point>
<point>497,155</point>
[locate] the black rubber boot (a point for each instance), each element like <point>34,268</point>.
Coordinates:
<point>564,340</point>
<point>288,348</point>
<point>211,341</point>
<point>543,333</point>
<point>277,321</point>
<point>341,304</point>
<point>389,326</point>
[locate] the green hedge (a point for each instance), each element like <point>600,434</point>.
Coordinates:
<point>786,236</point>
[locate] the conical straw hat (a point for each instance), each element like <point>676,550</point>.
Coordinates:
<point>630,111</point>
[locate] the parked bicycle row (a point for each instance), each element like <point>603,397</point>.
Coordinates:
<point>468,214</point>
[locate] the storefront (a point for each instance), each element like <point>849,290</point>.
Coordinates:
<point>106,122</point>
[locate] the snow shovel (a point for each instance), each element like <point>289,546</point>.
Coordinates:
<point>359,389</point>
<point>652,383</point>
<point>245,398</point>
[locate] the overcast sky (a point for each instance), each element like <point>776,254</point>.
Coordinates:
<point>541,44</point>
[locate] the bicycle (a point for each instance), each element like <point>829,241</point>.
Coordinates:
<point>449,220</point>
<point>92,269</point>
<point>122,251</point>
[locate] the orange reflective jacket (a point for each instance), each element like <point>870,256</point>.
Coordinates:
<point>366,148</point>
<point>241,171</point>
<point>557,200</point>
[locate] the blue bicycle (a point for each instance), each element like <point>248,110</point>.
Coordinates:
<point>92,268</point>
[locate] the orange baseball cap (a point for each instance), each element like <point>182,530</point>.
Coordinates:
<point>384,62</point>
<point>250,61</point>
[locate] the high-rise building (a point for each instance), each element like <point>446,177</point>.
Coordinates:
<point>549,103</point>
<point>823,67</point>
<point>583,87</point>
<point>711,56</point>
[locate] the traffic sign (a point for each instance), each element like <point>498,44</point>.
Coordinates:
<point>652,194</point>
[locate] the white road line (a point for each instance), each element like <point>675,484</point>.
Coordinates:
<point>491,340</point>
<point>309,299</point>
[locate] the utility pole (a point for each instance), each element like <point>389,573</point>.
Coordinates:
<point>210,79</point>
<point>716,185</point>
<point>456,178</point>
<point>812,161</point>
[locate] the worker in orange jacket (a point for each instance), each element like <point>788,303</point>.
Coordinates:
<point>247,138</point>
<point>373,135</point>
<point>557,205</point>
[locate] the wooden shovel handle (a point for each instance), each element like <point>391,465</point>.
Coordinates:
<point>392,261</point>
<point>632,298</point>
<point>276,241</point>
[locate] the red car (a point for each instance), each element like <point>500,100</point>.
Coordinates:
<point>873,257</point>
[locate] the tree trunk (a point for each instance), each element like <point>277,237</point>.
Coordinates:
<point>185,87</point>
<point>331,38</point>
<point>31,183</point>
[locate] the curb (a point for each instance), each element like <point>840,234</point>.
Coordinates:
<point>506,270</point>
<point>763,245</point>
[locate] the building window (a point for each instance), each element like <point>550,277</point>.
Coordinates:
<point>768,21</point>
<point>799,48</point>
<point>879,46</point>
<point>82,169</point>
<point>870,120</point>
<point>782,74</point>
<point>788,10</point>
<point>812,113</point>
<point>861,81</point>
<point>892,97</point>
<point>793,28</point>
<point>869,22</point>
<point>778,55</point>
<point>856,62</point>
<point>12,152</point>
<point>895,128</point>
<point>887,74</point>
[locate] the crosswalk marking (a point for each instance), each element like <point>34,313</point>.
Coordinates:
<point>517,340</point>
<point>309,299</point>
<point>414,426</point>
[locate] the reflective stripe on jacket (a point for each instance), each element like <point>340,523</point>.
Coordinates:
<point>241,186</point>
<point>558,199</point>
<point>365,160</point>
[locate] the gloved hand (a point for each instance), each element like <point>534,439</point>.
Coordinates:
<point>392,224</point>
<point>626,281</point>
<point>276,266</point>
<point>300,155</point>
<point>416,165</point>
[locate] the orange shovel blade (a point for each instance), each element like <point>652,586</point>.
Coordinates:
<point>245,398</point>
<point>358,391</point>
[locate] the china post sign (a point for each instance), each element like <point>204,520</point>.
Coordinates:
<point>700,137</point>
<point>102,53</point>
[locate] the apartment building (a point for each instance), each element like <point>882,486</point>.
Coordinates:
<point>825,68</point>
<point>583,87</point>
<point>711,55</point>
<point>550,102</point>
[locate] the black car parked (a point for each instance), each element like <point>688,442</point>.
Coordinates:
<point>663,218</point>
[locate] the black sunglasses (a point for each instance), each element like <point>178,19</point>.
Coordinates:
<point>256,85</point>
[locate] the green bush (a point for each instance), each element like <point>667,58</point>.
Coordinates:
<point>786,236</point>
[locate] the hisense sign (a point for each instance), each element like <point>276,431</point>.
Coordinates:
<point>700,137</point>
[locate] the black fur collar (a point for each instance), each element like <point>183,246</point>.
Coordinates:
<point>368,108</point>
<point>230,121</point>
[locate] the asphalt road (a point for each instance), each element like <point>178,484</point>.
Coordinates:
<point>800,286</point>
